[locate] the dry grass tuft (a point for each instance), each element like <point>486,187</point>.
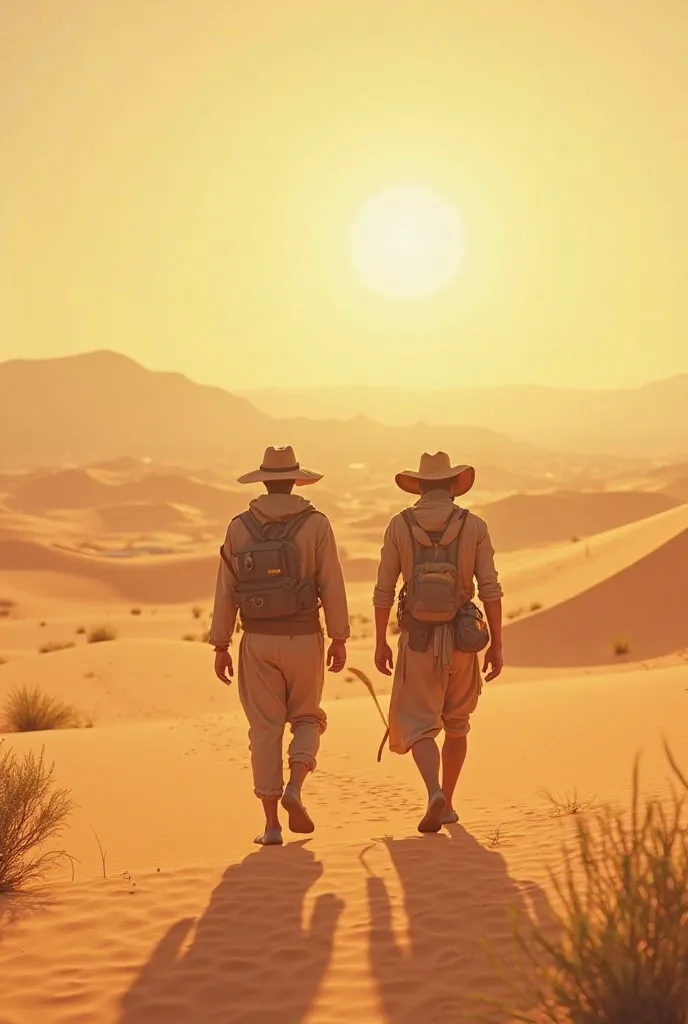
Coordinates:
<point>101,634</point>
<point>197,611</point>
<point>621,647</point>
<point>32,811</point>
<point>27,709</point>
<point>565,804</point>
<point>620,954</point>
<point>54,645</point>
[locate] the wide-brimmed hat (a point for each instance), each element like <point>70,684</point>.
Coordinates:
<point>280,464</point>
<point>436,467</point>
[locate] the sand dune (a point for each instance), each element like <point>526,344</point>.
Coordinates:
<point>523,520</point>
<point>143,517</point>
<point>642,607</point>
<point>192,922</point>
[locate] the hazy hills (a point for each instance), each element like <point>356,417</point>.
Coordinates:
<point>650,421</point>
<point>102,405</point>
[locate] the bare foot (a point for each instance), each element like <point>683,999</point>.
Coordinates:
<point>299,819</point>
<point>432,819</point>
<point>450,817</point>
<point>270,837</point>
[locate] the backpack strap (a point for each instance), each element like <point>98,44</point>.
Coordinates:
<point>224,558</point>
<point>419,537</point>
<point>295,524</point>
<point>254,527</point>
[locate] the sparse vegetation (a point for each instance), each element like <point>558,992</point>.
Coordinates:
<point>621,647</point>
<point>135,611</point>
<point>197,611</point>
<point>28,709</point>
<point>565,804</point>
<point>42,624</point>
<point>535,606</point>
<point>32,812</point>
<point>81,630</point>
<point>54,645</point>
<point>7,608</point>
<point>190,637</point>
<point>101,634</point>
<point>621,951</point>
<point>575,540</point>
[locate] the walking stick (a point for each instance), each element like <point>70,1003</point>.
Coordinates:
<point>369,687</point>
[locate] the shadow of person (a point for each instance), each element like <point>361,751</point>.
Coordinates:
<point>459,902</point>
<point>251,958</point>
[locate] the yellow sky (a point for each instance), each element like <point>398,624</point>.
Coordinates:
<point>179,180</point>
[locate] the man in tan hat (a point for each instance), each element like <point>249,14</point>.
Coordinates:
<point>279,565</point>
<point>438,549</point>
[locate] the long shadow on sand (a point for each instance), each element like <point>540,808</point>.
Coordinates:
<point>251,958</point>
<point>459,902</point>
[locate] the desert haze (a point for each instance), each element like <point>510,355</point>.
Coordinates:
<point>343,387</point>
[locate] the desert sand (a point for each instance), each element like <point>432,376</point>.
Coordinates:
<point>182,918</point>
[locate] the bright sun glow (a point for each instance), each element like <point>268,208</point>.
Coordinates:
<point>408,243</point>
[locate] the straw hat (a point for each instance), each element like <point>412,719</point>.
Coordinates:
<point>280,464</point>
<point>436,467</point>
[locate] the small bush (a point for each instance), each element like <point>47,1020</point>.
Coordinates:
<point>535,606</point>
<point>80,631</point>
<point>54,645</point>
<point>621,953</point>
<point>6,608</point>
<point>190,637</point>
<point>197,612</point>
<point>100,634</point>
<point>567,803</point>
<point>575,540</point>
<point>42,624</point>
<point>29,710</point>
<point>621,647</point>
<point>32,811</point>
<point>135,611</point>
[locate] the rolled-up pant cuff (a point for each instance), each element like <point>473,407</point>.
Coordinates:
<point>300,758</point>
<point>269,794</point>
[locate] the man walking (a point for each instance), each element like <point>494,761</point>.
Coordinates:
<point>279,565</point>
<point>438,549</point>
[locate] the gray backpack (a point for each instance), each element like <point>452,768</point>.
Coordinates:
<point>267,571</point>
<point>433,594</point>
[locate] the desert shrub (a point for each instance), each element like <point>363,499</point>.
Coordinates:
<point>197,611</point>
<point>28,709</point>
<point>100,634</point>
<point>535,606</point>
<point>189,636</point>
<point>620,954</point>
<point>54,645</point>
<point>80,631</point>
<point>6,608</point>
<point>32,811</point>
<point>135,611</point>
<point>621,647</point>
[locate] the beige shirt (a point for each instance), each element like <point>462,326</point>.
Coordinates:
<point>318,559</point>
<point>476,554</point>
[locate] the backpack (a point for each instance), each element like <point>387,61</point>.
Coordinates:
<point>433,594</point>
<point>267,571</point>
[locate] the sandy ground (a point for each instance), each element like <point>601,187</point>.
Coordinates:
<point>183,919</point>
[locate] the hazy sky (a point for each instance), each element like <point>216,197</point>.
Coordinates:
<point>179,181</point>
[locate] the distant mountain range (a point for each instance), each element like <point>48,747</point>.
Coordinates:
<point>102,405</point>
<point>650,421</point>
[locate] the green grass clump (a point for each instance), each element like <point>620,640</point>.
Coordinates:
<point>100,634</point>
<point>32,812</point>
<point>620,952</point>
<point>28,709</point>
<point>54,645</point>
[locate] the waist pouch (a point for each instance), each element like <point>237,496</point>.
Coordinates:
<point>471,634</point>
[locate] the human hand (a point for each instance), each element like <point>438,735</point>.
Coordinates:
<point>493,663</point>
<point>336,656</point>
<point>224,669</point>
<point>384,659</point>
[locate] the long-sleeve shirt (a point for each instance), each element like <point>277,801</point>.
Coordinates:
<point>476,554</point>
<point>318,559</point>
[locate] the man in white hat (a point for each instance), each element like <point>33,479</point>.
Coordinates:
<point>279,565</point>
<point>436,686</point>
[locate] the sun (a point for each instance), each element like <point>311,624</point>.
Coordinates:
<point>408,243</point>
